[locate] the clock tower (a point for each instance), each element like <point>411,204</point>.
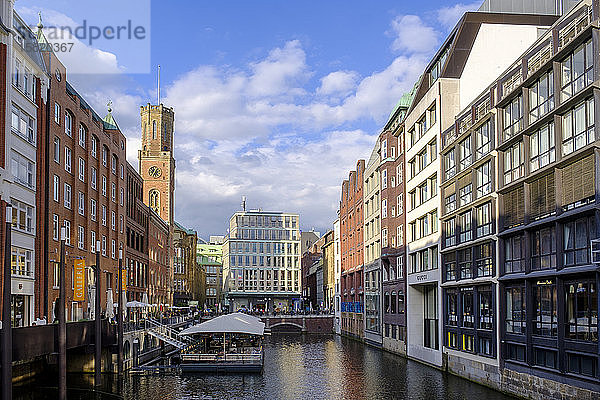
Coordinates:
<point>157,165</point>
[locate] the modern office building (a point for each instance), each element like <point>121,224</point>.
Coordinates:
<point>373,211</point>
<point>261,261</point>
<point>352,252</point>
<point>451,81</point>
<point>209,258</point>
<point>393,252</point>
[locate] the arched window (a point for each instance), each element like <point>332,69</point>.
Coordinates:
<point>154,200</point>
<point>153,129</point>
<point>68,123</point>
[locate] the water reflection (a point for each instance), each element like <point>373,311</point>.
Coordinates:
<point>298,367</point>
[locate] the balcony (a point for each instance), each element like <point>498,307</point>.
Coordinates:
<point>575,27</point>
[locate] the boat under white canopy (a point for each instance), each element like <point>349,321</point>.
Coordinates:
<point>229,323</point>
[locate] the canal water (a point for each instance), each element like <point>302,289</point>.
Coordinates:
<point>305,367</point>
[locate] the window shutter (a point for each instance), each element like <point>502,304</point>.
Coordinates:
<point>514,207</point>
<point>542,196</point>
<point>578,181</point>
<point>465,180</point>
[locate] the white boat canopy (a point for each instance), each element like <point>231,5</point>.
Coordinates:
<point>229,323</point>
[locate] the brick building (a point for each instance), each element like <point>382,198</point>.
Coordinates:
<point>351,238</point>
<point>393,257</point>
<point>159,263</point>
<point>186,282</point>
<point>136,230</point>
<point>85,180</point>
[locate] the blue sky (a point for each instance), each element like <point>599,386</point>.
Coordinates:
<point>274,100</point>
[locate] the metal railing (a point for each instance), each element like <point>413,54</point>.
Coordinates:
<point>167,333</point>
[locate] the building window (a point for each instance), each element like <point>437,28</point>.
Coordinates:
<point>103,215</point>
<point>450,203</point>
<point>113,192</point>
<point>483,259</point>
<point>484,179</point>
<point>515,352</point>
<point>577,70</point>
<point>543,249</point>
<point>113,221</point>
<point>384,149</point>
<point>483,140</point>
<point>545,309</point>
<point>81,203</point>
<point>81,169</point>
<point>465,153</point>
<point>384,179</point>
<point>465,264</point>
<point>450,232</point>
<point>21,260</point>
<point>104,245</point>
<point>55,227</point>
<point>57,113</point>
<point>67,196</point>
<point>81,238</point>
<point>468,312</point>
<point>82,135</point>
<point>465,194</point>
<point>68,124</point>
<point>104,185</point>
<point>56,188</point>
<point>93,209</point>
<point>57,150</point>
<point>23,125</point>
<point>541,97</point>
<point>22,216</point>
<point>544,357</point>
<point>515,310</point>
<point>384,238</point>
<point>94,178</point>
<point>399,173</point>
<point>400,203</point>
<point>486,311</point>
<point>384,208</point>
<point>67,159</point>
<point>67,225</point>
<point>449,165</point>
<point>94,147</point>
<point>465,227</point>
<point>578,127</point>
<point>154,197</point>
<point>578,183</point>
<point>581,311</point>
<point>513,117</point>
<point>104,156</point>
<point>451,307</point>
<point>514,254</point>
<point>23,170</point>
<point>542,147</point>
<point>484,220</point>
<point>514,164</point>
<point>577,237</point>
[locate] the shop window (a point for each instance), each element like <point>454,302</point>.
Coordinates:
<point>543,249</point>
<point>545,317</point>
<point>515,310</point>
<point>581,309</point>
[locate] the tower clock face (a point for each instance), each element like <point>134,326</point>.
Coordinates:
<point>154,171</point>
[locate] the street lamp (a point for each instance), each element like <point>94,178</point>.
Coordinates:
<point>120,316</point>
<point>97,321</point>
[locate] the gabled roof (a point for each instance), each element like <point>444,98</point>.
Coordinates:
<point>460,43</point>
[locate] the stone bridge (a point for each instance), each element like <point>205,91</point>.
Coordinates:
<point>299,323</point>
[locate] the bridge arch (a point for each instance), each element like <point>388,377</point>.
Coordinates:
<point>286,326</point>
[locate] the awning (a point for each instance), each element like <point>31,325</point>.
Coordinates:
<point>229,323</point>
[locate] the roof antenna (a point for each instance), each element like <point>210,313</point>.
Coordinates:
<point>158,103</point>
<point>244,203</point>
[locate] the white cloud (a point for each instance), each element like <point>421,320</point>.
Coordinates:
<point>449,16</point>
<point>412,35</point>
<point>338,83</point>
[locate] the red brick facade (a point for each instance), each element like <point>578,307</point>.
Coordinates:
<point>95,174</point>
<point>351,237</point>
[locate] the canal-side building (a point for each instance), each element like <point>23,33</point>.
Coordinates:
<point>186,277</point>
<point>85,179</point>
<point>393,252</point>
<point>352,251</point>
<point>329,271</point>
<point>25,96</point>
<point>549,210</point>
<point>160,286</point>
<point>338,276</point>
<point>373,206</point>
<point>450,82</point>
<point>261,261</point>
<point>469,242</point>
<point>136,232</point>
<point>209,258</point>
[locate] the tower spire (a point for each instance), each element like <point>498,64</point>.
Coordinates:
<point>158,84</point>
